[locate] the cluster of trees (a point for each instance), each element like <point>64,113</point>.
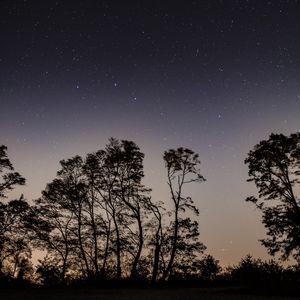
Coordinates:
<point>97,220</point>
<point>259,274</point>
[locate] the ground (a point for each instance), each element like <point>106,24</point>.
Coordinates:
<point>132,294</point>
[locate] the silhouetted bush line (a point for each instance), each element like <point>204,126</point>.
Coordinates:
<point>261,276</point>
<point>100,227</point>
<point>249,276</point>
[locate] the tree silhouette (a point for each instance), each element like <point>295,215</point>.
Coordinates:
<point>116,175</point>
<point>209,268</point>
<point>62,210</point>
<point>9,179</point>
<point>182,168</point>
<point>96,210</point>
<point>101,170</point>
<point>14,246</point>
<point>156,238</point>
<point>48,273</point>
<point>257,274</point>
<point>274,167</point>
<point>97,220</point>
<point>53,230</point>
<point>14,239</point>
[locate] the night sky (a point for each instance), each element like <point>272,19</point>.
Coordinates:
<point>214,76</point>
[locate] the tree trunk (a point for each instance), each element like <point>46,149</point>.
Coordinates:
<point>139,251</point>
<point>168,270</point>
<point>106,249</point>
<point>82,248</point>
<point>118,242</point>
<point>156,255</point>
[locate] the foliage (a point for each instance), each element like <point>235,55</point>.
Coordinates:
<point>98,223</point>
<point>48,273</point>
<point>274,167</point>
<point>15,251</point>
<point>9,178</point>
<point>255,272</point>
<point>96,218</point>
<point>94,211</point>
<point>182,243</point>
<point>209,268</point>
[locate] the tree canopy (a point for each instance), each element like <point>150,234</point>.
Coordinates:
<point>98,220</point>
<point>9,178</point>
<point>15,250</point>
<point>274,167</point>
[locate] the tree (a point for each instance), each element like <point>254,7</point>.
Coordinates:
<point>9,179</point>
<point>156,237</point>
<point>209,268</point>
<point>131,193</point>
<point>13,242</point>
<point>48,272</point>
<point>95,212</point>
<point>52,228</point>
<point>63,227</point>
<point>274,167</point>
<point>257,273</point>
<point>96,218</point>
<point>182,168</point>
<point>116,174</point>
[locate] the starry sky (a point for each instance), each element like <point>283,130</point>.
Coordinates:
<point>214,76</point>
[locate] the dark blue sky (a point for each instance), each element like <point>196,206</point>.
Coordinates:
<point>215,76</point>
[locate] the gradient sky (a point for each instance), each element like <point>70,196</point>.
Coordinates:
<point>214,76</point>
